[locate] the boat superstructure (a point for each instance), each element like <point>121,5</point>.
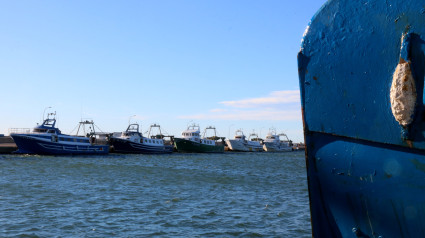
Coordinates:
<point>241,143</point>
<point>48,139</point>
<point>132,141</point>
<point>191,141</point>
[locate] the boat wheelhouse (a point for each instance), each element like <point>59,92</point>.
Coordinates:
<point>48,139</point>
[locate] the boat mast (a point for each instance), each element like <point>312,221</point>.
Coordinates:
<point>83,124</point>
<point>157,126</point>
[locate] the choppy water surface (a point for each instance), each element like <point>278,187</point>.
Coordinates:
<point>184,195</point>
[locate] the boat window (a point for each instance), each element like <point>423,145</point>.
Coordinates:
<point>51,131</point>
<point>40,130</point>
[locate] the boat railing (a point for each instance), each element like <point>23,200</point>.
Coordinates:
<point>19,130</point>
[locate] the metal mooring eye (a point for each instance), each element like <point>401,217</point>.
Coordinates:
<point>403,89</point>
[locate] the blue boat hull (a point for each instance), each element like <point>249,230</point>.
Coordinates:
<point>362,69</point>
<point>30,145</point>
<point>366,188</point>
<point>128,147</point>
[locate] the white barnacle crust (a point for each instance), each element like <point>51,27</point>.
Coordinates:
<point>403,94</point>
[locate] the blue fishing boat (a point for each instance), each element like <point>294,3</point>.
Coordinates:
<point>131,141</point>
<point>47,139</point>
<point>361,69</point>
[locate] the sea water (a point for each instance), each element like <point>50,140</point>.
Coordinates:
<point>176,195</point>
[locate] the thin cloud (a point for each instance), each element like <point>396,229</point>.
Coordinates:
<point>251,115</point>
<point>274,98</point>
<point>218,110</point>
<point>278,106</point>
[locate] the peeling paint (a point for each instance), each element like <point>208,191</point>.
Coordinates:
<point>403,94</point>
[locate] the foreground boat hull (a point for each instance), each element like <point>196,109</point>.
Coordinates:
<point>128,147</point>
<point>365,188</point>
<point>188,146</point>
<point>361,70</point>
<point>30,145</point>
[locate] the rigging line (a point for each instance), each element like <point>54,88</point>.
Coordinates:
<point>98,128</point>
<point>73,129</point>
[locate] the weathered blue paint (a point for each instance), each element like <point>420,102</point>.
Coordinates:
<point>366,172</point>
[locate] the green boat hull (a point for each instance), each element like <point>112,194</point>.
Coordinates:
<point>187,146</point>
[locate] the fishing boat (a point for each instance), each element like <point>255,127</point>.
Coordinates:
<point>274,143</point>
<point>48,139</point>
<point>241,143</point>
<point>191,141</point>
<point>361,70</point>
<point>132,141</point>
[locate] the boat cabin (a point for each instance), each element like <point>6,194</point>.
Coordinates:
<point>239,135</point>
<point>192,133</point>
<point>48,125</point>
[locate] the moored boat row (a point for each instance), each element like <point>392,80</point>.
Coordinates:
<point>48,139</point>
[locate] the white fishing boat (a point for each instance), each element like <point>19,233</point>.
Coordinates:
<point>274,143</point>
<point>241,143</point>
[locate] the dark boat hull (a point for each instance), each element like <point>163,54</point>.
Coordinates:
<point>128,147</point>
<point>30,145</point>
<point>188,146</point>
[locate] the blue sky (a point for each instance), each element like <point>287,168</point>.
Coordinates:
<point>231,64</point>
